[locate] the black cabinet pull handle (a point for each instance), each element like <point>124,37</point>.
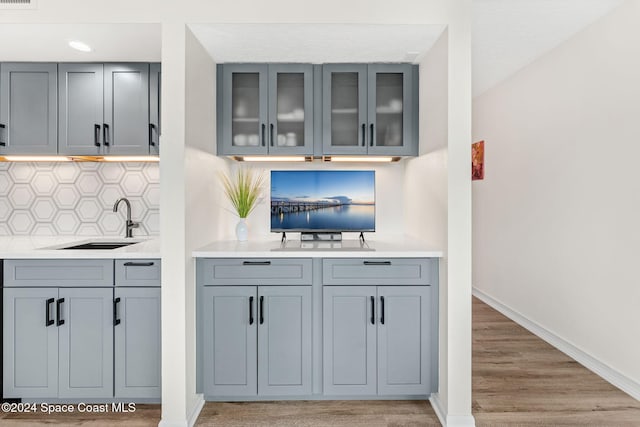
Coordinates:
<point>47,312</point>
<point>261,310</point>
<point>116,321</point>
<point>251,310</point>
<point>364,135</point>
<point>263,131</point>
<point>105,135</point>
<point>373,310</point>
<point>138,264</point>
<point>271,135</point>
<point>256,262</point>
<point>377,262</point>
<point>382,310</point>
<point>152,127</point>
<point>2,143</point>
<point>372,136</point>
<point>59,312</point>
<point>96,135</point>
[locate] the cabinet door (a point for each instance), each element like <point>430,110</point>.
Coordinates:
<point>30,343</point>
<point>291,109</point>
<point>390,109</point>
<point>230,339</point>
<point>155,92</point>
<point>349,350</point>
<point>137,342</point>
<point>404,329</point>
<point>244,109</point>
<point>85,342</point>
<point>284,340</point>
<point>28,108</point>
<point>80,102</point>
<point>126,109</point>
<point>344,103</point>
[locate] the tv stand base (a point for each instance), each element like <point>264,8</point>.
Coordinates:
<point>321,237</point>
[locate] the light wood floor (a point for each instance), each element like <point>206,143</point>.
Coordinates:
<point>518,379</point>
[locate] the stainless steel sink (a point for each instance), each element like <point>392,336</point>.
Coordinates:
<point>100,245</point>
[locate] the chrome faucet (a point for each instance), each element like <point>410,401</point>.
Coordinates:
<point>130,224</point>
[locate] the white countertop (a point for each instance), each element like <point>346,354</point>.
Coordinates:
<point>398,247</point>
<point>25,247</point>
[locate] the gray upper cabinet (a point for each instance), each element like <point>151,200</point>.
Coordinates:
<point>28,109</point>
<point>30,343</point>
<point>85,342</point>
<point>104,109</point>
<point>265,109</point>
<point>370,109</point>
<point>155,91</point>
<point>137,342</point>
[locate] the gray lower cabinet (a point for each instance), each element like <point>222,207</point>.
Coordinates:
<point>58,343</point>
<point>136,328</point>
<point>30,343</point>
<point>257,340</point>
<point>104,109</point>
<point>28,109</point>
<point>377,340</point>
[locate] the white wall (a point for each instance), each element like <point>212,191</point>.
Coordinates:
<point>556,235</point>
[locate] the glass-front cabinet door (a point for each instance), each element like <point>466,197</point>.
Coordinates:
<point>291,109</point>
<point>369,109</point>
<point>244,109</point>
<point>344,104</point>
<point>266,109</point>
<point>390,109</point>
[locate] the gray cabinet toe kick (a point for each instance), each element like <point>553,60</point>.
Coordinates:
<point>321,328</point>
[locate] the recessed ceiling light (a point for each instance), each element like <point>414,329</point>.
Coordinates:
<point>81,46</point>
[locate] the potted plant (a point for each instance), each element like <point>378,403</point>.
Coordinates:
<point>243,191</point>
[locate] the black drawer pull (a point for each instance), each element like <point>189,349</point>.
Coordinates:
<point>373,310</point>
<point>106,137</point>
<point>251,310</point>
<point>47,312</point>
<point>371,141</point>
<point>116,320</point>
<point>256,262</point>
<point>2,143</point>
<point>152,127</point>
<point>382,310</point>
<point>59,312</point>
<point>364,135</point>
<point>96,135</point>
<point>261,310</point>
<point>138,264</point>
<point>377,262</point>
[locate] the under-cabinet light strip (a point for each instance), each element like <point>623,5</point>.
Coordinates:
<point>79,159</point>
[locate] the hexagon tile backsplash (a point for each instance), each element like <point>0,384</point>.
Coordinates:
<point>76,198</point>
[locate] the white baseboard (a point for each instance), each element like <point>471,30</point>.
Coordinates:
<point>609,374</point>
<point>195,411</point>
<point>449,420</point>
<point>193,416</point>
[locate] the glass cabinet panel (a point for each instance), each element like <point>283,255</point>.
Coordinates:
<point>245,109</point>
<point>290,114</point>
<point>344,109</point>
<point>389,109</point>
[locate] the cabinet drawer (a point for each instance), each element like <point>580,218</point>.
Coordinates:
<point>255,271</point>
<point>376,271</point>
<point>58,272</point>
<point>137,272</point>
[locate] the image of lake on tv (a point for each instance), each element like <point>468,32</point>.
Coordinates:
<point>335,218</point>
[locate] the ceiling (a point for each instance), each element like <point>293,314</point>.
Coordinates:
<point>507,35</point>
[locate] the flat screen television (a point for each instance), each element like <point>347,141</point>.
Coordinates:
<point>323,201</point>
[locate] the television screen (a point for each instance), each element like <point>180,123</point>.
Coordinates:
<point>323,201</point>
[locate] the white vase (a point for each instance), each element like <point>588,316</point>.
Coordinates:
<point>242,230</point>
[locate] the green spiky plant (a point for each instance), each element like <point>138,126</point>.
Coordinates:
<point>243,190</point>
